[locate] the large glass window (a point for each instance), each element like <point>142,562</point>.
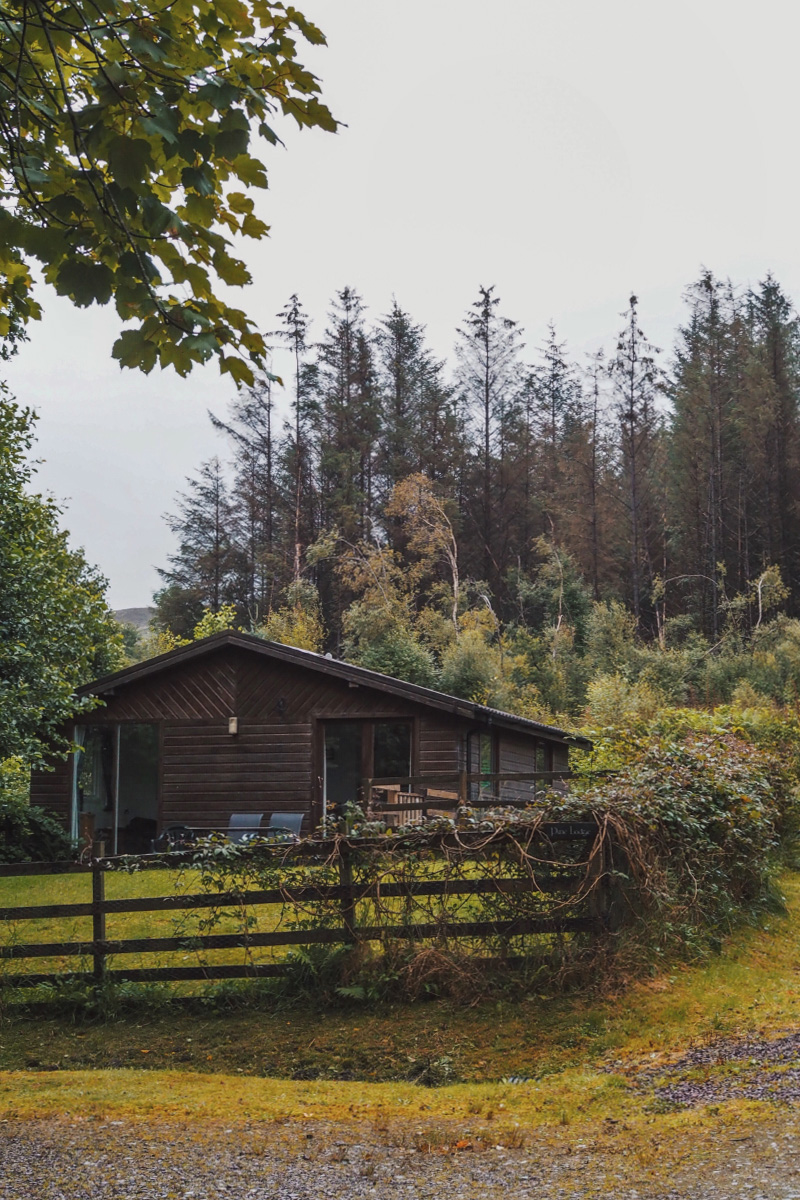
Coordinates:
<point>95,777</point>
<point>137,807</point>
<point>116,786</point>
<point>486,754</point>
<point>342,764</point>
<point>391,749</point>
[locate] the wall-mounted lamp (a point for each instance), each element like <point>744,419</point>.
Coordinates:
<point>233,725</point>
<point>281,706</point>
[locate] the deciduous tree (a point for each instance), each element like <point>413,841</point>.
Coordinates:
<point>56,630</point>
<point>126,159</point>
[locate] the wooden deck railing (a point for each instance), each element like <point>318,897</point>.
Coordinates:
<point>449,791</point>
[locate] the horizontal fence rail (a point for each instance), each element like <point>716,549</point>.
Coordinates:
<point>550,875</point>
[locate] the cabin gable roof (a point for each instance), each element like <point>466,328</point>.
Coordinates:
<point>479,714</point>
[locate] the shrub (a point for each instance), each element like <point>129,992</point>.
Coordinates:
<point>702,815</point>
<point>27,834</point>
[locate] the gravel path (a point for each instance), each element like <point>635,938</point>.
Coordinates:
<point>61,1160</point>
<point>747,1158</point>
<point>729,1069</point>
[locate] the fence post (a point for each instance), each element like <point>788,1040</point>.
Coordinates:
<point>462,789</point>
<point>599,897</point>
<point>98,914</point>
<point>347,903</point>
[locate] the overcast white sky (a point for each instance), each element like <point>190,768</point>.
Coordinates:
<point>568,151</point>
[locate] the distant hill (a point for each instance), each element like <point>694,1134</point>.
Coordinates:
<point>138,617</point>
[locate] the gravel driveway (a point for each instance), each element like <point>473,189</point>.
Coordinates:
<point>73,1160</point>
<point>736,1153</point>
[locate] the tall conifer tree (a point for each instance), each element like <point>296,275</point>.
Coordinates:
<point>487,350</point>
<point>636,379</point>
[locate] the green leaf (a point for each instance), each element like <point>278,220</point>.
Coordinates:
<point>142,46</point>
<point>85,282</point>
<point>157,218</point>
<point>252,227</point>
<point>201,179</point>
<point>250,171</point>
<point>230,143</point>
<point>164,124</point>
<point>133,349</point>
<point>231,270</point>
<point>239,203</point>
<point>237,368</point>
<point>204,344</point>
<point>201,209</point>
<point>129,160</point>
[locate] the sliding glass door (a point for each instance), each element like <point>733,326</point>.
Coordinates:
<point>115,786</point>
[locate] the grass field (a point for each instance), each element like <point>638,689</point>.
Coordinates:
<point>753,985</point>
<point>350,1068</point>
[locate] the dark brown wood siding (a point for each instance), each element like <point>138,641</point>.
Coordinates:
<point>279,692</point>
<point>53,789</point>
<point>201,690</point>
<point>516,754</point>
<point>440,745</point>
<point>207,773</point>
<point>560,757</point>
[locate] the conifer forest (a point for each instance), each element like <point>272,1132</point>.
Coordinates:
<point>515,525</point>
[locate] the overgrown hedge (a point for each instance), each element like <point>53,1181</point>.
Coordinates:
<point>29,834</point>
<point>696,822</point>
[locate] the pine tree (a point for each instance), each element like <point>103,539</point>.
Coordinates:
<point>201,570</point>
<point>298,452</point>
<point>555,406</point>
<point>775,332</point>
<point>419,429</point>
<point>488,375</point>
<point>255,502</point>
<point>349,419</point>
<point>709,484</point>
<point>636,380</point>
<point>589,493</point>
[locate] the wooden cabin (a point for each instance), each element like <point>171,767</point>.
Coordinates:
<point>236,724</point>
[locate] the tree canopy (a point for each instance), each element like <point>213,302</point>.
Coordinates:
<point>126,131</point>
<point>56,630</point>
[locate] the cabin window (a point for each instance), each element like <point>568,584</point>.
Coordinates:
<point>95,777</point>
<point>391,749</point>
<point>137,807</point>
<point>481,760</point>
<point>343,770</point>
<point>486,759</point>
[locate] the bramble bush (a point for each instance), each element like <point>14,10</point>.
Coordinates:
<point>696,817</point>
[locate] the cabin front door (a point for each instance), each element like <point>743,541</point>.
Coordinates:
<point>343,764</point>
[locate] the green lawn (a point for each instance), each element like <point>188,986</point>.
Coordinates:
<point>183,924</point>
<point>77,889</point>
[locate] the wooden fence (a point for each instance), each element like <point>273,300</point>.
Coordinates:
<point>580,843</point>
